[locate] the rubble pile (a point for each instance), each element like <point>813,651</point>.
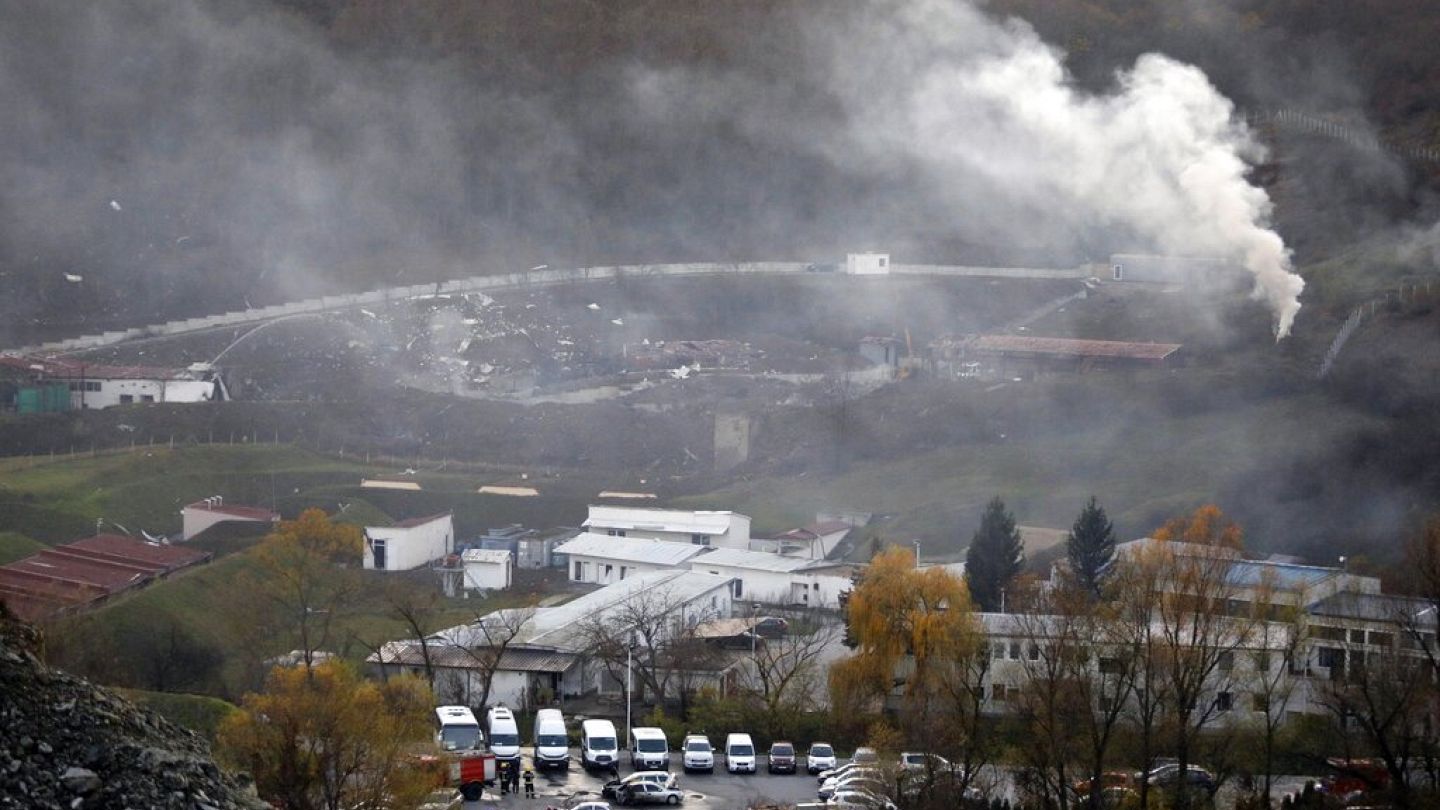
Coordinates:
<point>65,743</point>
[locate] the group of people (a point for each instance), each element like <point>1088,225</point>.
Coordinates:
<point>509,778</point>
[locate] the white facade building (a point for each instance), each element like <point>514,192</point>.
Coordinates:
<point>776,579</point>
<point>602,559</point>
<point>701,528</point>
<point>867,264</point>
<point>486,569</point>
<point>201,515</point>
<point>546,660</point>
<point>410,543</point>
<point>816,541</point>
<point>101,386</point>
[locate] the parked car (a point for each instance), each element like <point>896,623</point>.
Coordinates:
<point>1109,779</point>
<point>873,782</point>
<point>649,793</point>
<point>836,773</point>
<point>611,789</point>
<point>649,750</point>
<point>782,757</point>
<point>821,757</point>
<point>588,806</point>
<point>860,799</point>
<point>698,753</point>
<point>1169,774</point>
<point>915,762</point>
<point>739,754</point>
<point>865,756</point>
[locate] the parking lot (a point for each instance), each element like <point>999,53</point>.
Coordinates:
<point>717,790</point>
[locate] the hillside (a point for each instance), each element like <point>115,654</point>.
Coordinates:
<point>70,744</point>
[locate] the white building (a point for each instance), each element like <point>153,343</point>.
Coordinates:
<point>602,559</point>
<point>867,264</point>
<point>546,660</point>
<point>410,543</point>
<point>701,528</point>
<point>486,569</point>
<point>816,541</point>
<point>201,515</point>
<point>776,579</point>
<point>101,386</point>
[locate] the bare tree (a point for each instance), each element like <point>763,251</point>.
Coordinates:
<point>421,609</point>
<point>649,633</point>
<point>786,671</point>
<point>1279,646</point>
<point>484,642</point>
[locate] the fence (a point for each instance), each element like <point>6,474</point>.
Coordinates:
<point>1358,316</point>
<point>1356,137</point>
<point>497,283</point>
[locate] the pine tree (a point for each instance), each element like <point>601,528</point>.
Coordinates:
<point>995,556</point>
<point>1091,547</point>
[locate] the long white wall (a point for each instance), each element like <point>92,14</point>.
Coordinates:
<point>512,281</point>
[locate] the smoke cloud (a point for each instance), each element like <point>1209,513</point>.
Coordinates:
<point>982,116</point>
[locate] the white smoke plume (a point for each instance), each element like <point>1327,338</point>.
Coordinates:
<point>983,114</point>
<point>1161,156</point>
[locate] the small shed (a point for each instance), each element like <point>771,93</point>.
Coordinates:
<point>486,569</point>
<point>867,264</point>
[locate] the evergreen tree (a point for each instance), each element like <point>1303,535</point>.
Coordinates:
<point>995,556</point>
<point>1091,547</point>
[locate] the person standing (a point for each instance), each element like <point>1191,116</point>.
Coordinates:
<point>515,777</point>
<point>529,783</point>
<point>504,777</point>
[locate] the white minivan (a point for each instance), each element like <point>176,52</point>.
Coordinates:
<point>504,734</point>
<point>599,745</point>
<point>649,750</point>
<point>739,754</point>
<point>552,743</point>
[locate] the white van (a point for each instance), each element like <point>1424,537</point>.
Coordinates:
<point>456,729</point>
<point>504,734</point>
<point>599,745</point>
<point>739,754</point>
<point>552,744</point>
<point>649,750</point>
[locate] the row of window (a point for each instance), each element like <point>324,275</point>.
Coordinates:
<point>695,539</point>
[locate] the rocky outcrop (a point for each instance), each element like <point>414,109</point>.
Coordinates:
<point>67,744</point>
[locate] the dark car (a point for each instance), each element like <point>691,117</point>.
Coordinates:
<point>782,757</point>
<point>1196,777</point>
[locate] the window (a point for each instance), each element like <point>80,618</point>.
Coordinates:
<point>377,552</point>
<point>1111,666</point>
<point>882,261</point>
<point>147,398</point>
<point>1357,636</point>
<point>1015,650</point>
<point>1330,657</point>
<point>739,588</point>
<point>1117,271</point>
<point>578,572</point>
<point>999,651</point>
<point>622,572</point>
<point>1328,633</point>
<point>700,539</point>
<point>1227,661</point>
<point>1034,652</point>
<point>609,570</point>
<point>1260,703</point>
<point>1381,639</point>
<point>615,532</point>
<point>126,399</point>
<point>1224,701</point>
<point>1262,662</point>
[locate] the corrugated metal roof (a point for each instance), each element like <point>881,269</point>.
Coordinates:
<point>74,370</point>
<point>1374,607</point>
<point>752,560</point>
<point>409,654</point>
<point>660,520</point>
<point>239,512</point>
<point>629,549</point>
<point>410,523</point>
<point>167,557</point>
<point>485,555</point>
<point>1066,347</point>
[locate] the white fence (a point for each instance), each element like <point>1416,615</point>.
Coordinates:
<point>504,282</point>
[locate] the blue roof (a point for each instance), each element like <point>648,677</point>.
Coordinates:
<point>1252,573</point>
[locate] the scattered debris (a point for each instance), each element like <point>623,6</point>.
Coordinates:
<point>114,205</point>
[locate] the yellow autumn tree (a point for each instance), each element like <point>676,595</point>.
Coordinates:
<point>915,632</point>
<point>326,739</point>
<point>303,578</point>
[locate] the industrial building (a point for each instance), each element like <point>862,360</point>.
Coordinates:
<point>47,385</point>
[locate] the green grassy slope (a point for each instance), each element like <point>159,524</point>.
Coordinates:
<point>14,546</point>
<point>198,713</point>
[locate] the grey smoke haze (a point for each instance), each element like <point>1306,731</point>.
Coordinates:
<point>983,117</point>
<point>261,153</point>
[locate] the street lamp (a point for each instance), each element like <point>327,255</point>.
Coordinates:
<point>629,677</point>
